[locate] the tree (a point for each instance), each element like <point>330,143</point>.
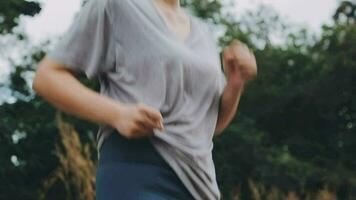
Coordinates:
<point>293,133</point>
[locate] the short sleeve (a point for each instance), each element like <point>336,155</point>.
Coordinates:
<point>88,46</point>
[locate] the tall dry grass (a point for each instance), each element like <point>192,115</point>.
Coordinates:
<point>75,174</point>
<point>261,192</point>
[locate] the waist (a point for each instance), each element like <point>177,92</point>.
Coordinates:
<point>117,148</point>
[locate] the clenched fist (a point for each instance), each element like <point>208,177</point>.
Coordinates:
<point>137,120</point>
<point>239,63</point>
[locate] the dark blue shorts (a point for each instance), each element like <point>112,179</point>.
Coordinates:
<point>132,169</point>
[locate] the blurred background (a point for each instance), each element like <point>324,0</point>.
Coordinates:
<point>292,138</point>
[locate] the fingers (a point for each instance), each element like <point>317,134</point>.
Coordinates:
<point>230,59</point>
<point>228,53</point>
<point>236,44</point>
<point>152,116</point>
<point>151,122</point>
<point>240,49</point>
<point>143,130</point>
<point>139,129</point>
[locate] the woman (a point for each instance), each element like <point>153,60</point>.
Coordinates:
<point>163,95</point>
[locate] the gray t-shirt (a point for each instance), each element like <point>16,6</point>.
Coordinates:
<point>127,45</point>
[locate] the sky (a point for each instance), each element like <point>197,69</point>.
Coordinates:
<point>56,17</point>
<point>312,13</point>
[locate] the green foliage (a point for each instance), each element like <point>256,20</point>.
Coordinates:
<point>346,11</point>
<point>300,115</point>
<point>293,134</point>
<point>10,11</point>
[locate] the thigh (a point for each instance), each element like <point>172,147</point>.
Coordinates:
<point>119,181</point>
<point>134,170</point>
<point>136,181</point>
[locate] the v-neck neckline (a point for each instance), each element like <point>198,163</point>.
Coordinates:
<point>166,27</point>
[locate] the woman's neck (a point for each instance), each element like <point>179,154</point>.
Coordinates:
<point>174,4</point>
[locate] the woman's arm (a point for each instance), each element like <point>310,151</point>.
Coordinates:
<point>240,66</point>
<point>59,87</point>
<point>228,106</point>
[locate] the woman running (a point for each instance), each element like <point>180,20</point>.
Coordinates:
<point>163,95</point>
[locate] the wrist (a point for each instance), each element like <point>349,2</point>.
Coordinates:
<point>236,85</point>
<point>115,114</point>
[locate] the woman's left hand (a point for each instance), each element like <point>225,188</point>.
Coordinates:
<point>239,63</point>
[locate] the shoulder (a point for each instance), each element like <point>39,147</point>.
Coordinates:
<point>203,26</point>
<point>101,11</point>
<point>93,9</point>
<point>104,3</point>
<point>103,6</point>
<point>97,4</point>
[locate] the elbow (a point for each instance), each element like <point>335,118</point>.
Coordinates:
<point>35,83</point>
<point>38,79</point>
<point>218,128</point>
<point>218,131</point>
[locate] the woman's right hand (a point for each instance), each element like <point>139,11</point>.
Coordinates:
<point>137,120</point>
